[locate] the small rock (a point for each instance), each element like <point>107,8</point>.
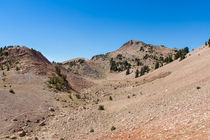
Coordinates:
<point>51,109</point>
<point>21,133</point>
<point>36,138</point>
<point>42,123</point>
<point>14,120</point>
<point>36,121</point>
<point>51,114</point>
<point>13,137</point>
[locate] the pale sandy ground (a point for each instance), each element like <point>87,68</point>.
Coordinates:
<point>164,104</point>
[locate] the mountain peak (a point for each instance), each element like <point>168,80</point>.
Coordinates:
<point>133,42</point>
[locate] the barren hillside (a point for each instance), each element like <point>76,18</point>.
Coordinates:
<point>170,102</point>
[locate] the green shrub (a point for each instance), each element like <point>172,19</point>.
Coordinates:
<point>168,59</point>
<point>17,68</point>
<point>181,53</point>
<point>157,65</point>
<point>209,42</point>
<point>33,51</point>
<point>144,69</point>
<point>128,71</point>
<point>12,91</point>
<point>6,53</point>
<point>119,66</point>
<point>113,128</point>
<point>70,97</point>
<point>91,130</point>
<point>137,73</point>
<point>110,98</point>
<point>198,87</point>
<point>77,96</point>
<point>58,81</point>
<point>57,71</point>
<point>101,107</point>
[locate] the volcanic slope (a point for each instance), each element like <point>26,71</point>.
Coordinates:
<point>171,102</point>
<point>132,55</point>
<point>25,97</point>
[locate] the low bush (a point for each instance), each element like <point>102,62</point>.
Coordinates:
<point>110,98</point>
<point>12,91</point>
<point>101,107</point>
<point>58,81</point>
<point>77,96</point>
<point>91,130</point>
<point>113,128</point>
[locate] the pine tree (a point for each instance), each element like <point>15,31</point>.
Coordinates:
<point>157,65</point>
<point>137,73</point>
<point>128,71</point>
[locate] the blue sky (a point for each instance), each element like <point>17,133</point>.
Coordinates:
<point>65,29</point>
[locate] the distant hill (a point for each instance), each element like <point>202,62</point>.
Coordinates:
<point>132,55</point>
<point>25,60</point>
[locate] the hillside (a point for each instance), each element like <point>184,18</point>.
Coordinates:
<point>132,55</point>
<point>84,67</point>
<point>24,59</point>
<point>167,102</point>
<point>25,96</point>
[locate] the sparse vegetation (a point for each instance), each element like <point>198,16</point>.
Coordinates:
<point>33,51</point>
<point>146,56</point>
<point>137,73</point>
<point>128,71</point>
<point>101,107</point>
<point>142,49</point>
<point>57,71</point>
<point>113,128</point>
<point>119,66</point>
<point>144,69</point>
<point>12,91</point>
<point>209,42</point>
<point>58,81</point>
<point>138,62</point>
<point>70,97</point>
<point>157,65</point>
<point>91,130</point>
<point>181,53</point>
<point>168,59</point>
<point>110,98</point>
<point>77,96</point>
<point>2,68</point>
<point>198,87</point>
<point>17,68</point>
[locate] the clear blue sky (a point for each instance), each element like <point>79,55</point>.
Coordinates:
<point>65,29</point>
